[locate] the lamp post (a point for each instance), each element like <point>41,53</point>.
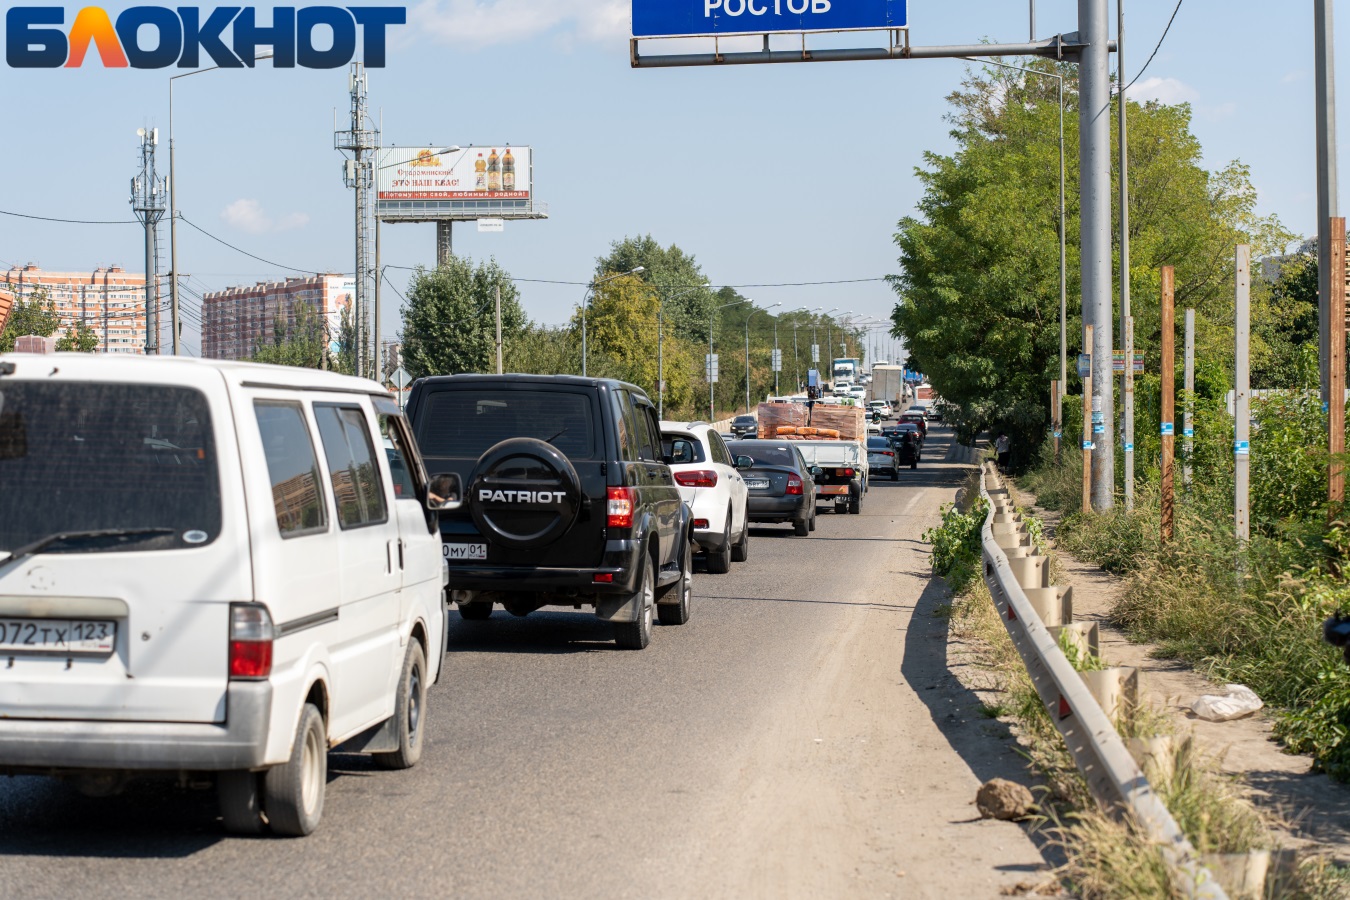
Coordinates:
<point>747,350</point>
<point>585,301</point>
<point>173,206</point>
<point>829,339</point>
<point>661,345</point>
<point>712,316</point>
<point>815,325</point>
<point>796,358</point>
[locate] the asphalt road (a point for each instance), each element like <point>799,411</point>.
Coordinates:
<point>800,736</point>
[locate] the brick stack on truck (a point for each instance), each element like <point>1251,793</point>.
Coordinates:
<point>832,439</point>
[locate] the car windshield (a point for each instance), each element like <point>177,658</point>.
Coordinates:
<point>465,423</point>
<point>100,456</point>
<point>764,454</point>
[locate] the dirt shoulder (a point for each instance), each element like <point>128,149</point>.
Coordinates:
<point>1316,808</point>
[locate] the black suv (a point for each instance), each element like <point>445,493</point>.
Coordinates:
<point>567,500</point>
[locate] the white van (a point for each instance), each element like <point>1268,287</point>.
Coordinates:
<point>211,567</point>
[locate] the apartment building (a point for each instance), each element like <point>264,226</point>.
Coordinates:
<point>237,320</point>
<point>110,300</point>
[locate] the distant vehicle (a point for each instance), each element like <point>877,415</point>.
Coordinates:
<point>918,419</point>
<point>908,447</point>
<point>843,472</point>
<point>780,484</point>
<point>743,426</point>
<point>711,485</point>
<point>881,457</point>
<point>881,406</point>
<point>887,384</point>
<point>903,427</point>
<point>933,413</point>
<point>846,367</point>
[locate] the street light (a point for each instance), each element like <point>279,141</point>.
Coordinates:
<point>585,300</point>
<point>712,316</point>
<point>815,336</point>
<point>660,345</point>
<point>173,206</point>
<point>829,331</point>
<point>796,359</point>
<point>747,349</point>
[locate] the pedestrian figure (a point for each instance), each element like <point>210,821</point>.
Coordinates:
<point>1003,447</point>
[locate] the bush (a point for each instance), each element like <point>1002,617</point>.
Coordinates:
<point>957,544</point>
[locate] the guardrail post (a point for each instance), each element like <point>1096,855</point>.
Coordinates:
<point>1030,571</point>
<point>1116,690</point>
<point>1083,636</point>
<point>1053,604</point>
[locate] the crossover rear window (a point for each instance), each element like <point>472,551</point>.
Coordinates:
<point>465,423</point>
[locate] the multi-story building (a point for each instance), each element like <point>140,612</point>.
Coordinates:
<point>110,301</point>
<point>237,320</point>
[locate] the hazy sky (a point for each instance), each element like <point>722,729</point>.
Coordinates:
<point>789,173</point>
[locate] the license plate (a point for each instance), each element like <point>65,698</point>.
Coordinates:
<point>834,489</point>
<point>757,484</point>
<point>464,551</point>
<point>60,636</point>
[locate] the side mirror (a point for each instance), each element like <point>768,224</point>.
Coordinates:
<point>744,462</point>
<point>445,493</point>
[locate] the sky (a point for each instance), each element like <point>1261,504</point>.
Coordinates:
<point>766,174</point>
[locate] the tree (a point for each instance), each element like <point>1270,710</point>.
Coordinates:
<point>79,338</point>
<point>671,272</point>
<point>302,343</point>
<point>1285,324</point>
<point>37,315</point>
<point>448,322</point>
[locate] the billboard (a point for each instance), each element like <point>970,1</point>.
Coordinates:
<point>421,184</point>
<point>687,18</point>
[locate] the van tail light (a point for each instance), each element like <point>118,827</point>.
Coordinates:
<point>696,479</point>
<point>619,507</point>
<point>794,486</point>
<point>251,636</point>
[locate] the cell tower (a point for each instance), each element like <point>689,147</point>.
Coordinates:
<point>361,141</point>
<point>147,199</point>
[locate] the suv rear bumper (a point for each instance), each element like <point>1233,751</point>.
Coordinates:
<point>620,562</point>
<point>40,745</point>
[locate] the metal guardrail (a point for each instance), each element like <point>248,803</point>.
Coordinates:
<point>1113,776</point>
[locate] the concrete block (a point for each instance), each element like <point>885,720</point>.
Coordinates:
<point>1083,635</point>
<point>1030,571</point>
<point>1116,690</point>
<point>1053,604</point>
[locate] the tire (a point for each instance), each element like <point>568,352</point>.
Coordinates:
<point>895,476</point>
<point>740,551</point>
<point>294,791</point>
<point>239,795</point>
<point>409,711</point>
<point>811,522</point>
<point>477,611</point>
<point>914,465</point>
<point>719,561</point>
<point>855,504</point>
<point>637,635</point>
<point>801,527</point>
<point>678,613</point>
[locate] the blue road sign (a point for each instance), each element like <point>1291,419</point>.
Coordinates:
<point>683,18</point>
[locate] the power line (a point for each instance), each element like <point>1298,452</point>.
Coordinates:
<point>226,243</point>
<point>18,215</point>
<point>1155,49</point>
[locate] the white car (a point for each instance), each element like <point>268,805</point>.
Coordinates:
<point>213,570</point>
<point>881,406</point>
<point>711,485</point>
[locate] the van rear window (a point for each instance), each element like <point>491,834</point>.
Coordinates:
<point>95,456</point>
<point>465,423</point>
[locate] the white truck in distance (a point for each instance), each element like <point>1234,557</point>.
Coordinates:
<point>888,384</point>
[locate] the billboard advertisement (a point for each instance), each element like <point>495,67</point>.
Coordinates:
<point>469,183</point>
<point>688,18</point>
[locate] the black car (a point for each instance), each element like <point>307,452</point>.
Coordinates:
<point>881,458</point>
<point>908,428</point>
<point>907,446</point>
<point>781,486</point>
<point>567,501</point>
<point>744,426</point>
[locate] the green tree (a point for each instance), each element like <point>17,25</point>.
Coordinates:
<point>35,315</point>
<point>671,272</point>
<point>448,321</point>
<point>1284,324</point>
<point>302,343</point>
<point>79,338</point>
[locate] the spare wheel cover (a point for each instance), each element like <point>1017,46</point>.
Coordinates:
<point>524,494</point>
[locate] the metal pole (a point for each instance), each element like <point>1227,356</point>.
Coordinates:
<point>151,344</point>
<point>660,357</point>
<point>1188,422</point>
<point>1167,378</point>
<point>1063,265</point>
<point>1054,416</point>
<point>497,301</point>
<point>1336,368</point>
<point>1094,110</point>
<point>1032,34</point>
<point>584,298</point>
<point>747,361</point>
<point>712,397</point>
<point>796,360</point>
<point>1127,377</point>
<point>1242,397</point>
<point>777,357</point>
<point>1324,65</point>
<point>173,231</point>
<point>379,277</point>
<point>1087,427</point>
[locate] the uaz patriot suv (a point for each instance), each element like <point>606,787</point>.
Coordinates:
<point>567,500</point>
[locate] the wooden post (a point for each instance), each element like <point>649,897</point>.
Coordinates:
<point>1056,425</point>
<point>1087,425</point>
<point>1242,394</point>
<point>1336,368</point>
<point>1167,376</point>
<point>1188,417</point>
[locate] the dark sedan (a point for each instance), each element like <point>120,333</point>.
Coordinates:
<point>916,418</point>
<point>781,486</point>
<point>908,428</point>
<point>744,426</point>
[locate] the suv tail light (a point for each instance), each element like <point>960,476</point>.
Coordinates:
<point>619,507</point>
<point>794,486</point>
<point>251,636</point>
<point>699,478</point>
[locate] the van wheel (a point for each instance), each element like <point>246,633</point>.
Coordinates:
<point>476,611</point>
<point>294,790</point>
<point>411,706</point>
<point>677,613</point>
<point>740,551</point>
<point>637,635</point>
<point>240,801</point>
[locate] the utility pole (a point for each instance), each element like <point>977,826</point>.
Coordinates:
<point>1188,421</point>
<point>1242,418</point>
<point>361,141</point>
<point>1336,368</point>
<point>1127,376</point>
<point>1087,425</point>
<point>1324,74</point>
<point>497,301</point>
<point>147,199</point>
<point>1166,377</point>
